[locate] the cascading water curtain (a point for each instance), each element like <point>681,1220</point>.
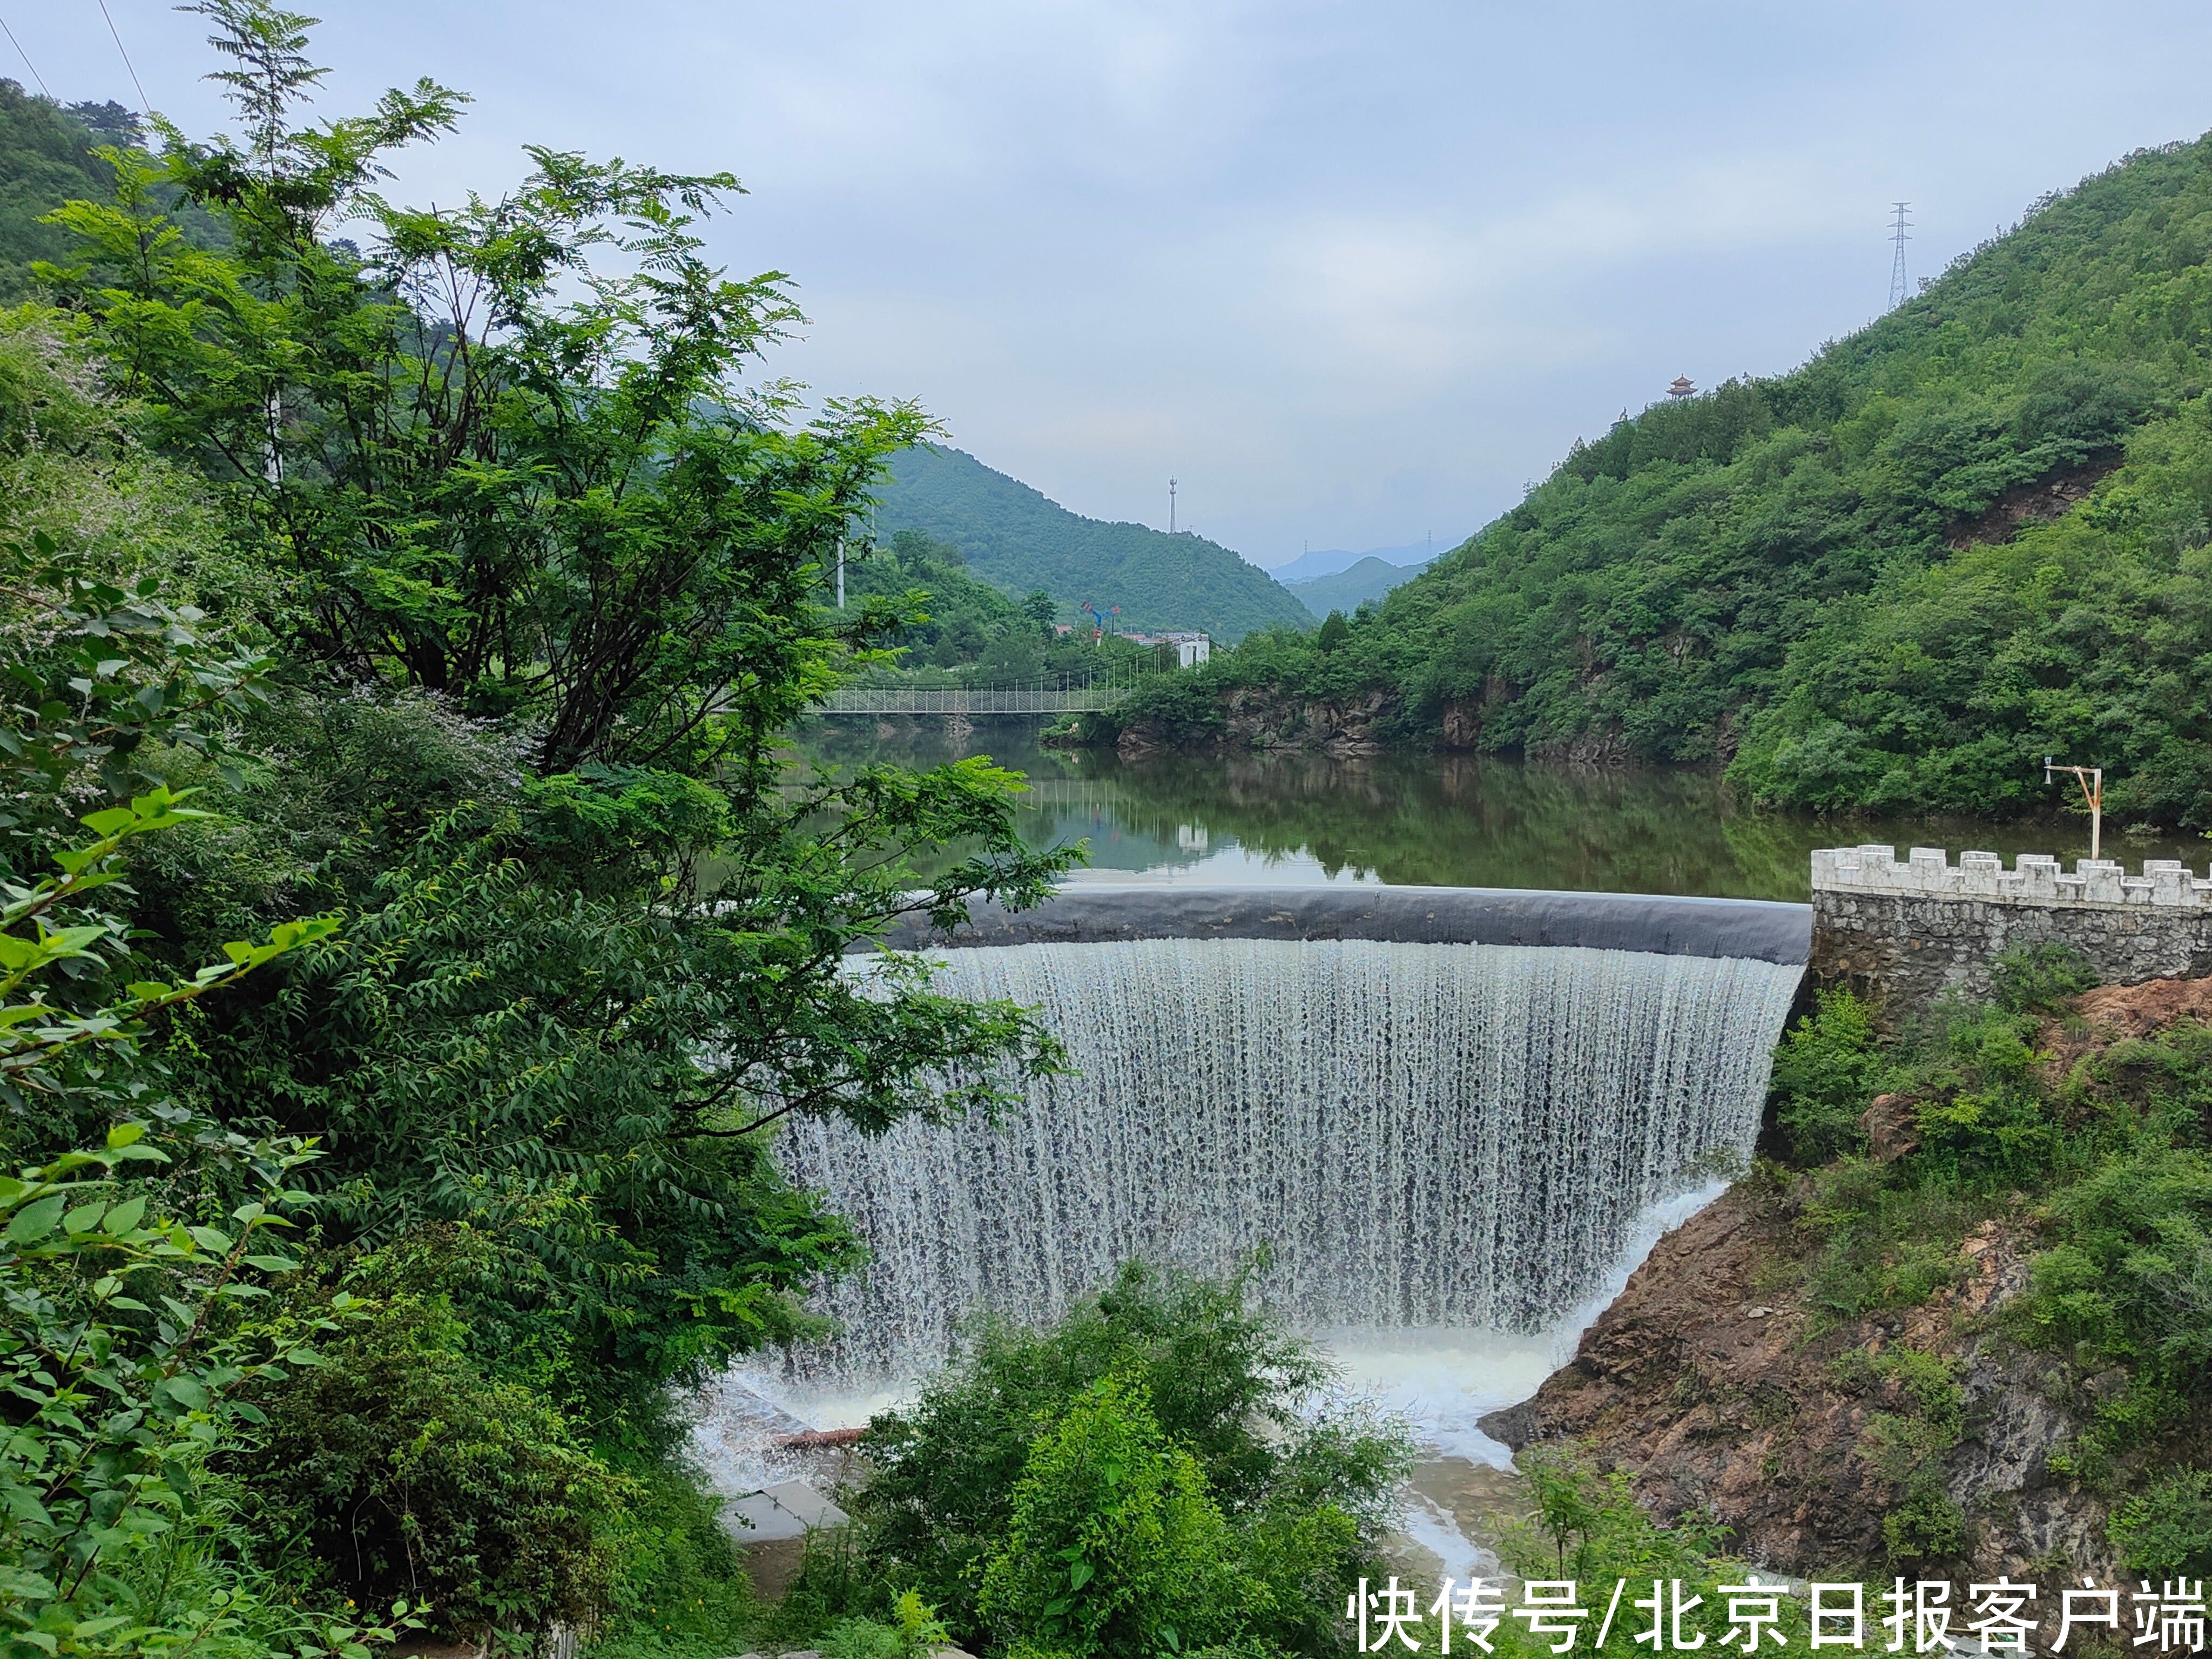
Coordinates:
<point>1422,1135</point>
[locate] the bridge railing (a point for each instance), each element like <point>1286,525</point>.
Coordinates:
<point>971,700</point>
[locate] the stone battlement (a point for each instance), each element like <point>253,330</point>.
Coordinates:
<point>1907,930</point>
<point>2036,880</point>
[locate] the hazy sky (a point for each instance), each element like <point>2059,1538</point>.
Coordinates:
<point>1352,273</point>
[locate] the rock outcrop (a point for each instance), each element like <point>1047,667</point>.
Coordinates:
<point>1254,718</point>
<point>1716,1389</point>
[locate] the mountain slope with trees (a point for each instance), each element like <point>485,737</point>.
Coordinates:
<point>1353,586</point>
<point>1018,539</point>
<point>1969,535</point>
<point>46,159</point>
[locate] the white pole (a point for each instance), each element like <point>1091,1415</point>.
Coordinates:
<point>841,572</point>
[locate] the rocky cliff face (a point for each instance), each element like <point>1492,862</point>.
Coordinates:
<point>1717,1391</point>
<point>1262,719</point>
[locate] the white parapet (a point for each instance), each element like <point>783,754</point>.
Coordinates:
<point>2034,879</point>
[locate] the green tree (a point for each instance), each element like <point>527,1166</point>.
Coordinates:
<point>1114,1546</point>
<point>1304,1479</point>
<point>515,486</point>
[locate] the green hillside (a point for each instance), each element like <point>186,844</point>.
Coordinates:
<point>1842,579</point>
<point>1347,590</point>
<point>46,159</point>
<point>1018,539</point>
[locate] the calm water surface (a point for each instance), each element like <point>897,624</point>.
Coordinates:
<point>1455,821</point>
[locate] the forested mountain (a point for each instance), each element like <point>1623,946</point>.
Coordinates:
<point>1352,587</point>
<point>1018,539</point>
<point>1317,561</point>
<point>45,158</point>
<point>1844,580</point>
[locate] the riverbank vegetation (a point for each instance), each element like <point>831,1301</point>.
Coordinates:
<point>2082,1123</point>
<point>1970,534</point>
<point>961,631</point>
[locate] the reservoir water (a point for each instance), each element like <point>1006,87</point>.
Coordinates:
<point>1455,821</point>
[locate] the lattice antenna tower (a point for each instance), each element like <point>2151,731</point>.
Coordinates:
<point>1898,223</point>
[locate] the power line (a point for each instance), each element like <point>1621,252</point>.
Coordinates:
<point>25,55</point>
<point>1897,286</point>
<point>145,104</point>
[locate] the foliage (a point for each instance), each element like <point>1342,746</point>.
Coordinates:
<point>914,1632</point>
<point>130,1344</point>
<point>50,157</point>
<point>529,517</point>
<point>1925,1528</point>
<point>2039,979</point>
<point>682,1591</point>
<point>2166,1530</point>
<point>126,1353</point>
<point>93,671</point>
<point>2108,1158</point>
<point>962,623</point>
<point>436,584</point>
<point>1113,1544</point>
<point>1587,1525</point>
<point>397,1467</point>
<point>1224,1414</point>
<point>1826,1071</point>
<point>1016,539</point>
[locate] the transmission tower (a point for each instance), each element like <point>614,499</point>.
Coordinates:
<point>1897,288</point>
<point>1171,506</point>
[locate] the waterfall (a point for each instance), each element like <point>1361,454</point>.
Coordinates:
<point>1422,1134</point>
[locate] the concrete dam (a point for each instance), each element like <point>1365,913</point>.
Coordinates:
<point>1431,1106</point>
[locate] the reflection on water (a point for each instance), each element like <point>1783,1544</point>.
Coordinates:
<point>1442,820</point>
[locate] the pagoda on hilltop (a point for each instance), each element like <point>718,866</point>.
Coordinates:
<point>1682,387</point>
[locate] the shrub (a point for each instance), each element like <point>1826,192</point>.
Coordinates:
<point>407,1470</point>
<point>2037,979</point>
<point>2167,1532</point>
<point>1304,1482</point>
<point>1825,1073</point>
<point>1114,1546</point>
<point>683,1590</point>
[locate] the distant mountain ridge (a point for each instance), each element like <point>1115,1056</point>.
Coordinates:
<point>1350,588</point>
<point>1019,540</point>
<point>1313,565</point>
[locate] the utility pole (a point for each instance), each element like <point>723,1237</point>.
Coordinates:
<point>1897,285</point>
<point>841,572</point>
<point>1172,490</point>
<point>2092,780</point>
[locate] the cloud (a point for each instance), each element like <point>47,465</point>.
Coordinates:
<point>1351,271</point>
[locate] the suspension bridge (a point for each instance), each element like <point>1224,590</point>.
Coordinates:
<point>1037,698</point>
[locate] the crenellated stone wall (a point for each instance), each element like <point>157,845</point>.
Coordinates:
<point>1906,929</point>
